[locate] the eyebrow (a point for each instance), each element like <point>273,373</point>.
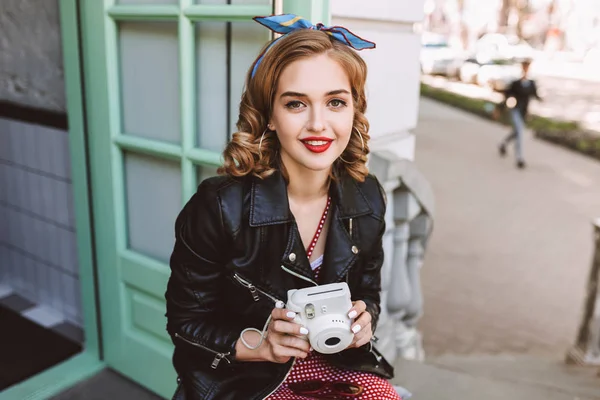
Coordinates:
<point>298,94</point>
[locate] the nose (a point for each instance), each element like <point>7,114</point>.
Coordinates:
<point>316,123</point>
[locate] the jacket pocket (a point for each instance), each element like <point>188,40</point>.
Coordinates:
<point>218,356</point>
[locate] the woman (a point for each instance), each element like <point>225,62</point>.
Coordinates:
<point>295,208</point>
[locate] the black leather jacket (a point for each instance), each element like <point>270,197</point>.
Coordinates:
<point>237,251</point>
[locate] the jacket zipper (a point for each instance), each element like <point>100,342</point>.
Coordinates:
<point>289,271</point>
<point>254,291</point>
<point>218,356</point>
<point>284,378</point>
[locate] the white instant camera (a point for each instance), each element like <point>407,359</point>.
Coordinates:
<point>323,310</point>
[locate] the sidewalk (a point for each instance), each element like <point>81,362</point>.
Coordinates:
<point>496,378</point>
<point>506,269</point>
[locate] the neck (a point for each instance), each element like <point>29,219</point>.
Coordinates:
<point>306,185</point>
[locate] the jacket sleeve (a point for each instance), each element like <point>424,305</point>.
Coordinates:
<point>368,288</point>
<point>198,271</point>
<point>369,285</point>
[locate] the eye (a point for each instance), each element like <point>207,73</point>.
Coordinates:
<point>294,105</point>
<point>337,103</point>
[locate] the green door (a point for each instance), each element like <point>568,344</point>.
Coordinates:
<point>163,79</point>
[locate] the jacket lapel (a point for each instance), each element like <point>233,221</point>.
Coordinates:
<point>341,251</point>
<point>295,258</point>
<point>269,201</point>
<point>269,206</point>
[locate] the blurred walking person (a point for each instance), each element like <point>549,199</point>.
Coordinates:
<point>516,99</point>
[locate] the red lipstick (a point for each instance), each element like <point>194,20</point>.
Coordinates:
<point>317,144</point>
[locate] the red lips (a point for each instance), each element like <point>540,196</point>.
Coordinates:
<point>317,144</point>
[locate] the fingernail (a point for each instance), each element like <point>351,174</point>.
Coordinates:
<point>310,348</point>
<point>356,328</point>
<point>304,331</point>
<point>291,314</point>
<point>279,304</point>
<point>352,314</point>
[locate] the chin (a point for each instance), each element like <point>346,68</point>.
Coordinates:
<point>320,165</point>
<point>312,162</point>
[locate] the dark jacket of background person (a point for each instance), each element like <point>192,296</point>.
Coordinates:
<point>522,90</point>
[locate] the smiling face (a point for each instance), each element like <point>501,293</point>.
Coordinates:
<point>312,113</point>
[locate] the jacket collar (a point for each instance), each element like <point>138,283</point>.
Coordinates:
<point>269,201</point>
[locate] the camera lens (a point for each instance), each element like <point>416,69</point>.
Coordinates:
<point>332,341</point>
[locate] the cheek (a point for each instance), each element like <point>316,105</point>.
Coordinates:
<point>282,122</point>
<point>343,127</point>
<point>287,135</point>
<point>346,139</point>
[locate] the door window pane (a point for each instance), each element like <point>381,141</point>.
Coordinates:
<point>221,65</point>
<point>153,198</point>
<point>247,40</point>
<point>211,91</point>
<point>149,75</point>
<point>204,172</point>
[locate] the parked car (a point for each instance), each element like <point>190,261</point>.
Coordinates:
<point>500,46</point>
<point>438,57</point>
<point>468,70</point>
<point>496,73</point>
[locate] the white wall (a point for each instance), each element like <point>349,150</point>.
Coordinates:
<point>393,82</point>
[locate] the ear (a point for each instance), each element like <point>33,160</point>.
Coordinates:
<point>270,126</point>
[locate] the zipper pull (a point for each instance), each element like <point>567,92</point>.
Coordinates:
<point>217,360</point>
<point>253,292</point>
<point>377,357</point>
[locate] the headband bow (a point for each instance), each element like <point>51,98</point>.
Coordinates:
<point>286,23</point>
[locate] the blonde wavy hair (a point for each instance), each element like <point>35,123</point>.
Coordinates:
<point>245,154</point>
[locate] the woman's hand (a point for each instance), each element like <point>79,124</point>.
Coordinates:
<point>285,338</point>
<point>361,327</point>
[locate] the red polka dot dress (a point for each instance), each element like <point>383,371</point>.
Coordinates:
<point>316,368</point>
